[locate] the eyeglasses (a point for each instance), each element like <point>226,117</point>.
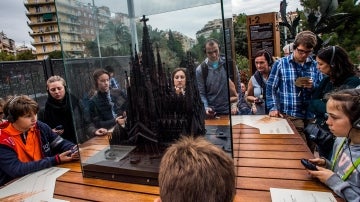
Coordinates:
<point>304,51</point>
<point>212,52</point>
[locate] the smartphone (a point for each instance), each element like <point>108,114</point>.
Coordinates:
<point>74,149</point>
<point>59,127</point>
<point>308,165</point>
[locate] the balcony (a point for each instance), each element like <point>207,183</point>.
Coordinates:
<point>31,3</point>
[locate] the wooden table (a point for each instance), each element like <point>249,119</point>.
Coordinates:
<point>262,161</point>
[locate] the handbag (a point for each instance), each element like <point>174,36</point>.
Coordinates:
<point>320,136</point>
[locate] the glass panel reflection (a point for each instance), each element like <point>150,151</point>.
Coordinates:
<point>120,66</point>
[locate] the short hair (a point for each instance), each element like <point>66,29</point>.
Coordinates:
<point>193,169</point>
<point>20,105</point>
<point>55,78</point>
<point>211,42</point>
<point>348,102</point>
<point>305,38</point>
<point>97,73</point>
<point>341,67</point>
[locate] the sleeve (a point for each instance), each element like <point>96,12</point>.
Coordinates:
<point>343,188</point>
<point>57,143</point>
<point>201,86</point>
<point>13,167</point>
<point>96,119</point>
<point>272,86</point>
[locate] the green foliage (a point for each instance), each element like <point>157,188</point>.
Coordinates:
<point>4,56</point>
<point>55,55</point>
<point>26,55</point>
<point>242,63</point>
<point>240,35</point>
<point>175,46</point>
<point>339,27</point>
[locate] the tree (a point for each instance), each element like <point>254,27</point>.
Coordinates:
<point>336,21</point>
<point>240,35</point>
<point>55,55</point>
<point>4,56</point>
<point>175,46</point>
<point>25,55</point>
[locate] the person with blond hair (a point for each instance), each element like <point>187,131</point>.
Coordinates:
<point>62,110</point>
<point>193,169</point>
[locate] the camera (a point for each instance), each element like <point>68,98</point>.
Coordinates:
<point>259,101</point>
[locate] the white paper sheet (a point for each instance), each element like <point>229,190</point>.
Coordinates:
<point>266,124</point>
<point>293,195</point>
<point>38,186</point>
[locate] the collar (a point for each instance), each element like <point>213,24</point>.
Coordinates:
<point>12,131</point>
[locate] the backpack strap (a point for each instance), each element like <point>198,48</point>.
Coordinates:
<point>205,72</point>
<point>348,172</point>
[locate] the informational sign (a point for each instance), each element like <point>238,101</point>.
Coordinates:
<point>263,33</point>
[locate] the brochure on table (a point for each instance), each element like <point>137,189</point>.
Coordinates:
<point>265,123</point>
<point>38,186</point>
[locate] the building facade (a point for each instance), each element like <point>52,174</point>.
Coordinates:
<point>6,44</point>
<point>77,20</point>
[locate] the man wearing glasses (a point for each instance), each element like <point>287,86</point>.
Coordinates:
<point>291,80</point>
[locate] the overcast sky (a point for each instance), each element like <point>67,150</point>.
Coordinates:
<point>13,21</point>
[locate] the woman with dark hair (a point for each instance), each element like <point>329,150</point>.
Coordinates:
<point>179,80</point>
<point>256,91</point>
<point>339,72</point>
<point>105,109</point>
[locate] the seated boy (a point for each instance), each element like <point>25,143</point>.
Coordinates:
<point>28,145</point>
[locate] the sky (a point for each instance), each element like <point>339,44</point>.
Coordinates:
<point>13,20</point>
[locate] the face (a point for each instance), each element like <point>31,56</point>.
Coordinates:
<point>261,64</point>
<point>103,83</point>
<point>339,124</point>
<point>212,52</point>
<point>179,79</point>
<point>243,87</point>
<point>57,90</point>
<point>322,66</point>
<point>301,53</point>
<point>24,123</point>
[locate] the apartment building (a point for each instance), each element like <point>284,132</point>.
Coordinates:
<point>78,23</point>
<point>6,44</point>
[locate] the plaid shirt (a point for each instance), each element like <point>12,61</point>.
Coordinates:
<point>281,92</point>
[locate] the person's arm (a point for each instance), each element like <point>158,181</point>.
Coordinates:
<point>12,166</point>
<point>344,189</point>
<point>250,96</point>
<point>272,87</point>
<point>201,86</point>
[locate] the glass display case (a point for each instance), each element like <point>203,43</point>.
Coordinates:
<point>142,42</point>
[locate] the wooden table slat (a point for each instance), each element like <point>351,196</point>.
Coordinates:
<point>261,161</point>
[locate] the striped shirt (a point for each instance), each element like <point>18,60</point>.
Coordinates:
<point>281,92</point>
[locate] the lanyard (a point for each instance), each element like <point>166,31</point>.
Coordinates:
<point>347,173</point>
